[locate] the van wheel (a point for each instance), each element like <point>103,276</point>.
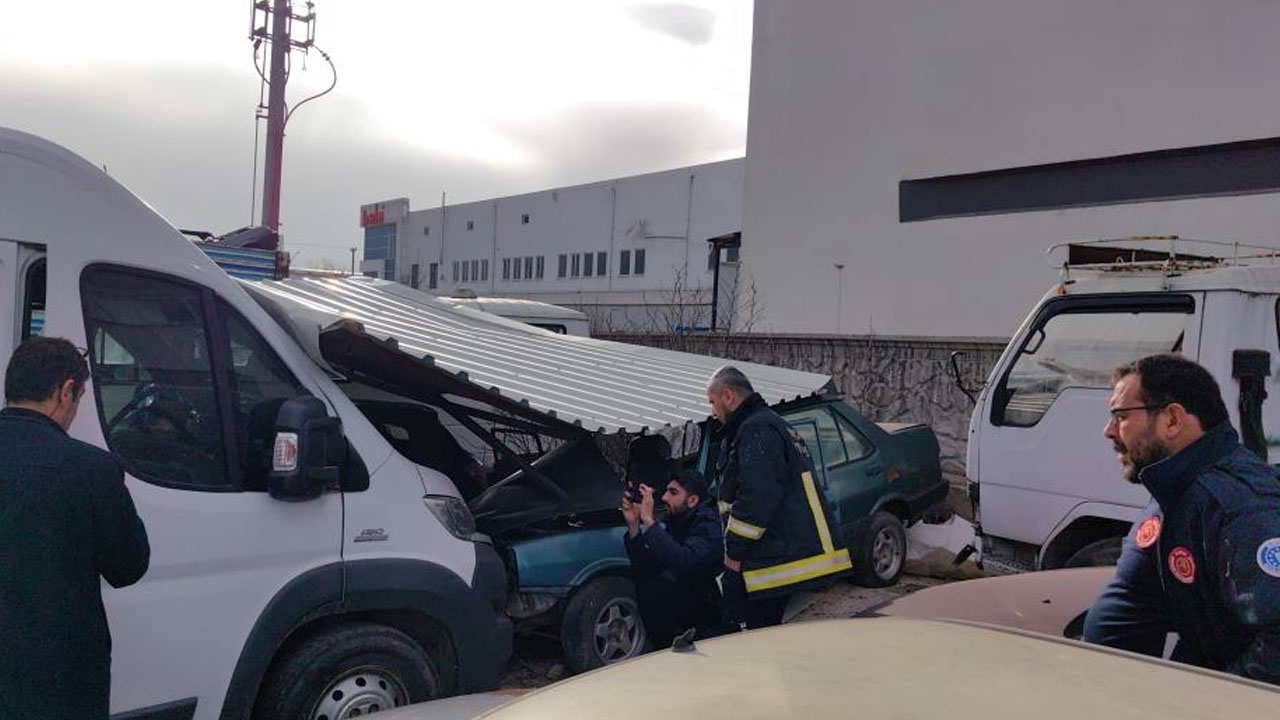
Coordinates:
<point>1098,553</point>
<point>602,624</point>
<point>881,552</point>
<point>349,672</point>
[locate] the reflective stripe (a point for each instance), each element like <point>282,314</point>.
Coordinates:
<point>819,517</point>
<point>744,529</point>
<point>725,507</point>
<point>796,572</point>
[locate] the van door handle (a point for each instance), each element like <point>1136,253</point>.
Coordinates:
<point>875,469</point>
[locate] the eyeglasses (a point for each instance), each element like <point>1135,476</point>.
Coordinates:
<point>1116,415</point>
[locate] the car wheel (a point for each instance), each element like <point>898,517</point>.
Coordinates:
<point>349,672</point>
<point>881,552</point>
<point>1096,554</point>
<point>602,624</point>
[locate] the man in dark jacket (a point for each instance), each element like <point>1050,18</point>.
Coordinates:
<point>66,520</point>
<point>675,562</point>
<point>779,536</point>
<point>1203,559</point>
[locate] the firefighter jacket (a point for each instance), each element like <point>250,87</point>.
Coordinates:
<point>1203,560</point>
<point>778,522</point>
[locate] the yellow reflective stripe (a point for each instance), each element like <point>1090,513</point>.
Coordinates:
<point>725,507</point>
<point>744,529</point>
<point>819,517</point>
<point>797,571</point>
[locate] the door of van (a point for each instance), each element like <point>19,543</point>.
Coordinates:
<point>1042,452</point>
<point>184,390</point>
<point>22,309</point>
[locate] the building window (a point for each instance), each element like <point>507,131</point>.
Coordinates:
<point>506,268</point>
<point>577,265</point>
<point>541,265</point>
<point>466,271</point>
<point>624,262</point>
<point>471,225</point>
<point>413,276</point>
<point>456,275</point>
<point>433,276</point>
<point>731,254</point>
<point>639,268</point>
<point>528,268</point>
<point>711,259</point>
<point>475,270</point>
<point>524,219</point>
<point>484,271</point>
<point>380,244</point>
<point>562,267</point>
<point>602,263</point>
<point>515,271</point>
<point>426,230</point>
<point>588,260</point>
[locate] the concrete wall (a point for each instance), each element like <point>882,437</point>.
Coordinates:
<point>888,379</point>
<point>851,97</point>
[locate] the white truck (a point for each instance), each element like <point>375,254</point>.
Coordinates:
<point>1046,486</point>
<point>347,580</point>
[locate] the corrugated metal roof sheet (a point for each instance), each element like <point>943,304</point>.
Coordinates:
<point>603,386</point>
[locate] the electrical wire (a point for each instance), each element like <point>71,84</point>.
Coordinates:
<point>333,68</point>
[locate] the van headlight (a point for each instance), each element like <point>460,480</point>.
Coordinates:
<point>454,514</point>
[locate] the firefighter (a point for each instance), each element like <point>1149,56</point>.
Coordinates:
<point>779,537</point>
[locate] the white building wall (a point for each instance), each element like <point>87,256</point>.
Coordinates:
<point>670,215</point>
<point>851,97</point>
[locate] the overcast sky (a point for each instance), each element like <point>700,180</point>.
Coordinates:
<point>479,98</point>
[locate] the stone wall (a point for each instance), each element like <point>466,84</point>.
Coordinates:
<point>889,379</point>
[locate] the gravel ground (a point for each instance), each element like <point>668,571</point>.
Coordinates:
<point>537,659</point>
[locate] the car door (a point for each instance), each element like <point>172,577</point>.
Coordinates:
<point>183,389</point>
<point>852,470</point>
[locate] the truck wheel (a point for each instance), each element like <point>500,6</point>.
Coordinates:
<point>348,672</point>
<point>881,552</point>
<point>1096,554</point>
<point>602,624</point>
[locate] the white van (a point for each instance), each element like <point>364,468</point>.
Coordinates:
<point>1047,486</point>
<point>342,582</point>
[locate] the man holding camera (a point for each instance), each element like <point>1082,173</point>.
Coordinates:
<point>675,562</point>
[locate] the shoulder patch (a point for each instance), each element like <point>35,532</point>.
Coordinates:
<point>1148,532</point>
<point>1183,565</point>
<point>1269,557</point>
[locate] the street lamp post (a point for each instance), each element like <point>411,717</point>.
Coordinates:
<point>839,296</point>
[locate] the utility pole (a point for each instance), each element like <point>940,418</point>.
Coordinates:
<point>839,297</point>
<point>353,261</point>
<point>279,15</point>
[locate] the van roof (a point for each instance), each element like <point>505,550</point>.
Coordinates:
<point>1243,278</point>
<point>596,384</point>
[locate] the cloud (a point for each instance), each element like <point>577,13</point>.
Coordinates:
<point>686,23</point>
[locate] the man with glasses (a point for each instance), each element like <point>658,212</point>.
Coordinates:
<point>66,522</point>
<point>1203,559</point>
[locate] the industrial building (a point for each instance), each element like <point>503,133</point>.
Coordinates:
<point>632,253</point>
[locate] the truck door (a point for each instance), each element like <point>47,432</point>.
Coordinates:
<point>22,268</point>
<point>1042,452</point>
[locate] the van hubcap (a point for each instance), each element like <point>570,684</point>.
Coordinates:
<point>358,693</point>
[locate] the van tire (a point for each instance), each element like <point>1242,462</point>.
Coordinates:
<point>360,667</point>
<point>1099,553</point>
<point>881,553</point>
<point>604,605</point>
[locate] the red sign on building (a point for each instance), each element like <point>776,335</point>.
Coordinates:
<point>371,215</point>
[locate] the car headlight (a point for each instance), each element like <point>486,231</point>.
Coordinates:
<point>454,514</point>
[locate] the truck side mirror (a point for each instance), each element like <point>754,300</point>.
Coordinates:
<point>1251,369</point>
<point>309,451</point>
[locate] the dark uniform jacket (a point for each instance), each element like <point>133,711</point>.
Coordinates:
<point>1203,560</point>
<point>66,520</point>
<point>779,525</point>
<point>675,566</point>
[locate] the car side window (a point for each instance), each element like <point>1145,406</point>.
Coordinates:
<point>260,383</point>
<point>153,377</point>
<point>857,445</point>
<point>832,446</point>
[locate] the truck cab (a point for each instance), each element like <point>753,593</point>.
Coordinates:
<point>1045,482</point>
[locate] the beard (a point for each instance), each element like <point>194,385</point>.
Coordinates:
<point>1133,460</point>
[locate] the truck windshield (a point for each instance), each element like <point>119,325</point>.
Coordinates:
<point>1081,349</point>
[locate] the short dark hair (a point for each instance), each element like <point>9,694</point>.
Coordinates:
<point>40,366</point>
<point>1166,379</point>
<point>692,482</point>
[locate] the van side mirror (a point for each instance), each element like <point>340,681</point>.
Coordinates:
<point>309,451</point>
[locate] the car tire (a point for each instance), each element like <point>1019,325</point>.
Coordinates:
<point>881,552</point>
<point>348,672</point>
<point>1099,553</point>
<point>602,624</point>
